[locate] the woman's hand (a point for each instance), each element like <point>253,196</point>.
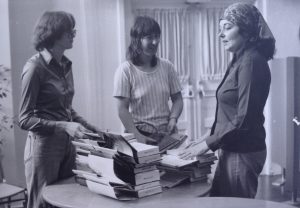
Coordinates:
<point>194,149</point>
<point>73,129</point>
<point>171,125</point>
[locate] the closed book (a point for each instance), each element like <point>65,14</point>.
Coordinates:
<point>147,177</point>
<point>149,191</point>
<point>144,169</point>
<point>138,162</point>
<point>142,150</point>
<point>149,159</point>
<point>146,185</point>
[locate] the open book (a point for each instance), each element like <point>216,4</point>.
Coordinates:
<point>171,141</point>
<point>127,144</point>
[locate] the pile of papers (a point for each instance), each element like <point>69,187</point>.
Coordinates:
<point>126,172</point>
<point>177,170</point>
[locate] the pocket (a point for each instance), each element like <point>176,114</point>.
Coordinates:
<point>28,147</point>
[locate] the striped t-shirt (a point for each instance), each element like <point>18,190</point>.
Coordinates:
<point>149,92</point>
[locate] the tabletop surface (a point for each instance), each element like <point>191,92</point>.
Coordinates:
<point>68,194</point>
<point>7,190</point>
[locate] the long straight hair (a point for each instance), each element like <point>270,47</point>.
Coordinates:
<point>143,26</point>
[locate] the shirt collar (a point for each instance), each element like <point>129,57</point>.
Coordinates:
<point>49,58</point>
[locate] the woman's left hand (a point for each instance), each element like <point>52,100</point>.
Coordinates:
<point>194,149</point>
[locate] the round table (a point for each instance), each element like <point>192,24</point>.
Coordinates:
<point>68,194</point>
<point>231,202</point>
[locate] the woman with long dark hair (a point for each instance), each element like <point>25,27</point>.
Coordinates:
<point>144,84</point>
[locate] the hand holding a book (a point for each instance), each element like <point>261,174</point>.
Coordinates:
<point>73,129</point>
<point>194,149</point>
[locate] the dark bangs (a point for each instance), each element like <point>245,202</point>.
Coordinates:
<point>144,26</point>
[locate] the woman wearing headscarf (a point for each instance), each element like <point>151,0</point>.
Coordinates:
<point>46,106</point>
<point>144,84</point>
<point>238,130</point>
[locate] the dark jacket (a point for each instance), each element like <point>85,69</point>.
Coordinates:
<point>241,97</point>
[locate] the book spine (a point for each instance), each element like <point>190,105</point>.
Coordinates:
<point>147,177</point>
<point>149,159</point>
<point>146,185</point>
<point>149,152</point>
<point>144,169</point>
<point>150,191</point>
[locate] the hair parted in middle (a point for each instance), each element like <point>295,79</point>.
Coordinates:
<point>143,26</point>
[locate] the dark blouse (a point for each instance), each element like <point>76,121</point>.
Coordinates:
<point>47,93</point>
<point>241,97</point>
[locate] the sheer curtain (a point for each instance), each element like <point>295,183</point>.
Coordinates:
<point>98,50</point>
<point>190,41</point>
<point>173,45</point>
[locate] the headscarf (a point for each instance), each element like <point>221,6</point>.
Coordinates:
<point>248,18</point>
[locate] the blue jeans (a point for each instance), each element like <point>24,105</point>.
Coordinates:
<point>47,159</point>
<point>237,174</point>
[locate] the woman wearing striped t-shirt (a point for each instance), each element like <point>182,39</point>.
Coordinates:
<point>144,83</point>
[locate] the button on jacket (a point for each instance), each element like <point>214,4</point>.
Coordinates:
<point>47,93</point>
<point>241,97</point>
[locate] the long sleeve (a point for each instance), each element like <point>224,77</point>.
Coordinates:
<point>241,100</point>
<point>29,95</point>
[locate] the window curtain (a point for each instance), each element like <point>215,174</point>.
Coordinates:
<point>190,41</point>
<point>174,35</point>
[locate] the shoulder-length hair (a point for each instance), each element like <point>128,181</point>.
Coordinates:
<point>142,27</point>
<point>50,27</point>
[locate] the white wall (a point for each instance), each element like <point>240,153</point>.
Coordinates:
<point>283,17</point>
<point>10,171</point>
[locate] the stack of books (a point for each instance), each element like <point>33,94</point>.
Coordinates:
<point>177,170</point>
<point>126,172</point>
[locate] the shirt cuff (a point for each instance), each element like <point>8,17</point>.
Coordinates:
<point>213,143</point>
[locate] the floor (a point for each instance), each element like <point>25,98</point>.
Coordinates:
<point>267,191</point>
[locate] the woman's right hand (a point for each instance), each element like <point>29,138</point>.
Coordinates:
<point>73,129</point>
